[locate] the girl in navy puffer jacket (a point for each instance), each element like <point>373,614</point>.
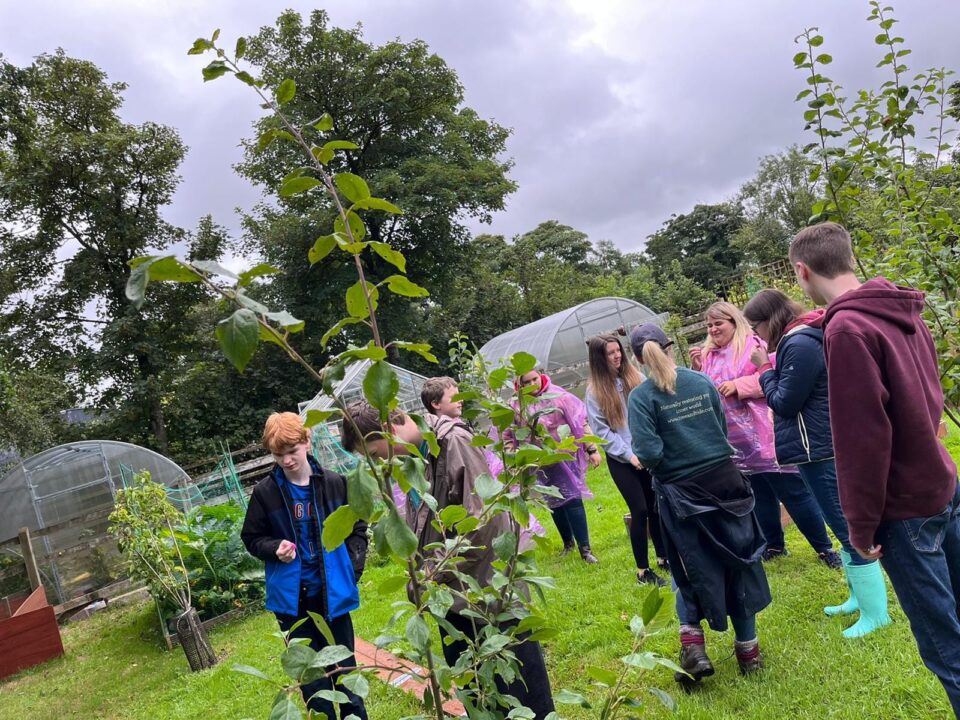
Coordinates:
<point>796,391</point>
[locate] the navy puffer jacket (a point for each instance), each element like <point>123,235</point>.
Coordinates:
<point>796,391</point>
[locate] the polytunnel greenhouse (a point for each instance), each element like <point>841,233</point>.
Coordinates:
<point>351,388</point>
<point>559,341</point>
<point>64,495</point>
<point>326,438</point>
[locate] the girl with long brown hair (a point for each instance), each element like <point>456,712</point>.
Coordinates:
<point>612,377</point>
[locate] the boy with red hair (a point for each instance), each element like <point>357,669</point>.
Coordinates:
<point>283,527</point>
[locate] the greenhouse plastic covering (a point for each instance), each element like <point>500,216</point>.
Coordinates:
<point>351,388</point>
<point>67,492</point>
<point>72,480</point>
<point>558,341</point>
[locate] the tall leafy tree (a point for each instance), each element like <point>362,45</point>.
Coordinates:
<point>888,176</point>
<point>418,146</point>
<point>701,241</point>
<point>609,259</point>
<point>81,194</point>
<point>550,266</point>
<point>31,405</point>
<point>484,302</point>
<point>667,291</point>
<point>778,202</point>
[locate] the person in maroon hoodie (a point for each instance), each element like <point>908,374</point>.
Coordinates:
<point>796,391</point>
<point>898,485</point>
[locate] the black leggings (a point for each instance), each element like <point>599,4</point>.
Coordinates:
<point>636,486</point>
<point>342,629</point>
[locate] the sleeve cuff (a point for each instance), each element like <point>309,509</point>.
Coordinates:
<point>862,534</point>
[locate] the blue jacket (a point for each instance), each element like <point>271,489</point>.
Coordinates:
<point>269,520</point>
<point>796,391</point>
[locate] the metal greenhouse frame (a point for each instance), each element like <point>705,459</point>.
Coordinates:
<point>558,341</point>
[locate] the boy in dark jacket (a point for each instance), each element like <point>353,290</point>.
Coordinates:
<point>898,485</point>
<point>283,527</point>
<point>452,477</point>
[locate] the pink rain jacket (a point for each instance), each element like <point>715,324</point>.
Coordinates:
<point>749,425</point>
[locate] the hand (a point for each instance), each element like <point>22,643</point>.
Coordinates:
<point>594,459</point>
<point>635,461</point>
<point>759,357</point>
<point>728,388</point>
<point>696,357</point>
<point>871,553</point>
<point>287,551</point>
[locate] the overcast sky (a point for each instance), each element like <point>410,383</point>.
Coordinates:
<point>623,111</point>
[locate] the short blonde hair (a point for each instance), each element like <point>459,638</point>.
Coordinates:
<point>284,430</point>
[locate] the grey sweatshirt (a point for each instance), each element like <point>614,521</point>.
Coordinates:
<point>618,439</point>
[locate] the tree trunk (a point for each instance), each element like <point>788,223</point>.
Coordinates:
<point>157,424</point>
<point>193,639</point>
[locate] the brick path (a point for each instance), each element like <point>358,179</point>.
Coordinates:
<point>409,680</point>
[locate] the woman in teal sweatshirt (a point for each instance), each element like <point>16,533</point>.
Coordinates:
<point>679,433</point>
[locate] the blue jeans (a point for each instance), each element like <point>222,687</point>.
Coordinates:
<point>772,488</point>
<point>821,479</point>
<point>922,560</point>
<point>571,520</point>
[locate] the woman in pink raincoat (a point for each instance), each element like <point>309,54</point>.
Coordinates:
<point>725,359</point>
<point>569,477</point>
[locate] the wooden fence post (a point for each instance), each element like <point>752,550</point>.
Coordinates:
<point>26,547</point>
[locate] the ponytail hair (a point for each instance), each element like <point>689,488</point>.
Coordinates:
<point>661,369</point>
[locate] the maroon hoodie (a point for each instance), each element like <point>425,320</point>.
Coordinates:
<point>885,407</point>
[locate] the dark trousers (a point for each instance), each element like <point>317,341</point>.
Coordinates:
<point>636,487</point>
<point>922,560</point>
<point>342,629</point>
<point>821,479</point>
<point>771,489</point>
<point>571,520</point>
<point>532,688</point>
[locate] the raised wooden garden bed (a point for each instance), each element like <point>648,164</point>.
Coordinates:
<point>30,636</point>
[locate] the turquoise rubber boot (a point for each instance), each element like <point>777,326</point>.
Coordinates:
<point>850,605</point>
<point>871,592</point>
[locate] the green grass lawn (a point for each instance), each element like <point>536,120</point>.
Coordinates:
<point>114,667</point>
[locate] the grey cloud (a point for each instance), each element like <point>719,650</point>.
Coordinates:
<point>673,106</point>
